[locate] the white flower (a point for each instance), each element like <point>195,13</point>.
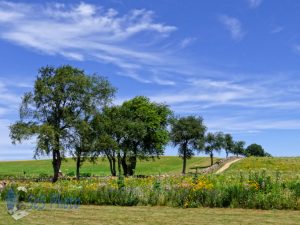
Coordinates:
<point>22,189</point>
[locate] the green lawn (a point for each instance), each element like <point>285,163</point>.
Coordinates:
<point>106,215</point>
<point>289,167</point>
<point>166,164</point>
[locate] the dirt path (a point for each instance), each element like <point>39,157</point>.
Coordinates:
<point>226,166</point>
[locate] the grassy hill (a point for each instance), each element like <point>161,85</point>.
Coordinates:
<point>288,167</point>
<point>166,164</point>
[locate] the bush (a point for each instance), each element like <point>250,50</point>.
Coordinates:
<point>71,174</point>
<point>85,174</point>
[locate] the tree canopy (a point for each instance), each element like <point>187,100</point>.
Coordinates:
<point>228,144</point>
<point>256,150</point>
<point>137,129</point>
<point>187,133</point>
<point>213,142</point>
<point>61,98</point>
<point>238,148</point>
<point>145,132</point>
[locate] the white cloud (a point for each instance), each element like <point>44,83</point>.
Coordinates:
<point>7,97</point>
<point>205,91</point>
<point>193,96</point>
<point>219,84</point>
<point>81,22</point>
<point>242,124</point>
<point>254,3</point>
<point>277,30</point>
<point>7,12</point>
<point>163,81</point>
<point>86,32</point>
<point>270,95</point>
<point>234,26</point>
<point>88,10</point>
<point>3,111</point>
<point>296,48</point>
<point>187,41</point>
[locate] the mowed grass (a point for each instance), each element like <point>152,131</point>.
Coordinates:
<point>107,215</point>
<point>288,167</point>
<point>166,164</point>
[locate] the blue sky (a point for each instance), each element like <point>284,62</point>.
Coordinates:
<point>235,63</point>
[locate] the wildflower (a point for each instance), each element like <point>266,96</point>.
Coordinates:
<point>22,189</point>
<point>186,205</point>
<point>253,185</point>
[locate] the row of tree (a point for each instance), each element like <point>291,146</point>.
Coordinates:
<point>189,134</point>
<point>70,113</point>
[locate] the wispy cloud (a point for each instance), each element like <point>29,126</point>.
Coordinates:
<point>296,48</point>
<point>234,26</point>
<point>164,81</point>
<point>276,95</point>
<point>240,124</point>
<point>187,41</point>
<point>277,29</point>
<point>90,32</point>
<point>254,3</point>
<point>207,93</point>
<point>84,32</point>
<point>8,99</point>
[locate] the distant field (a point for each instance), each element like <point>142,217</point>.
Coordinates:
<point>287,166</point>
<point>105,215</point>
<point>166,164</point>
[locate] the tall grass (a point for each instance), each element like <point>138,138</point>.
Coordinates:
<point>256,190</point>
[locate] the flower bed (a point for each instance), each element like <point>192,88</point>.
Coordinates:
<point>253,190</point>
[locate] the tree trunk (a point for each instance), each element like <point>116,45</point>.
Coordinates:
<point>56,165</point>
<point>211,159</point>
<point>226,154</point>
<point>56,161</point>
<point>119,163</point>
<point>132,160</point>
<point>114,172</point>
<point>132,165</point>
<point>184,160</point>
<point>110,164</point>
<point>124,165</point>
<point>112,161</point>
<point>78,162</point>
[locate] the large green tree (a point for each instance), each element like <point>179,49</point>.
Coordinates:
<point>98,95</point>
<point>213,142</point>
<point>108,128</point>
<point>145,131</point>
<point>137,129</point>
<point>50,111</point>
<point>228,144</point>
<point>238,148</point>
<point>187,133</point>
<point>256,150</point>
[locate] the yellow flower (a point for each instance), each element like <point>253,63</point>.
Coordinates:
<point>202,183</point>
<point>253,185</point>
<point>186,204</point>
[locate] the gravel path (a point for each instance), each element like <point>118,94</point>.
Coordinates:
<point>226,166</point>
